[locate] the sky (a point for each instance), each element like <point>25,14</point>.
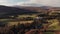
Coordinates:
<point>55,3</point>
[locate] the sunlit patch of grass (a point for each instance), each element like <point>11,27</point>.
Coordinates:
<point>21,16</point>
<point>54,24</point>
<point>16,22</point>
<point>48,32</point>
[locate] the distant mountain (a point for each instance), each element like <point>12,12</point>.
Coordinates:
<point>45,7</point>
<point>39,9</point>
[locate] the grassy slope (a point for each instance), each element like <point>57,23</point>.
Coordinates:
<point>16,21</point>
<point>54,25</point>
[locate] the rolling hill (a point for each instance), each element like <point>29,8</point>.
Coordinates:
<point>13,11</point>
<point>6,11</point>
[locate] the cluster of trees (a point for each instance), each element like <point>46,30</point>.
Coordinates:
<point>30,28</point>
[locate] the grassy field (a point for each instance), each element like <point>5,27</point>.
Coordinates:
<point>53,23</point>
<point>20,19</point>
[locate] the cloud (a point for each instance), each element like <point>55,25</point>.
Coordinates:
<point>3,2</point>
<point>40,3</point>
<point>6,2</point>
<point>31,2</point>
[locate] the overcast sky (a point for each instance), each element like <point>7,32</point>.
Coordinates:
<point>31,2</point>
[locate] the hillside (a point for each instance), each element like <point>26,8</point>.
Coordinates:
<point>12,11</point>
<point>29,20</point>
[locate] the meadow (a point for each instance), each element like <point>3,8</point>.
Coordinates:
<point>30,24</point>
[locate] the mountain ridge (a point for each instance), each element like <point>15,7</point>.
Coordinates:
<point>13,10</point>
